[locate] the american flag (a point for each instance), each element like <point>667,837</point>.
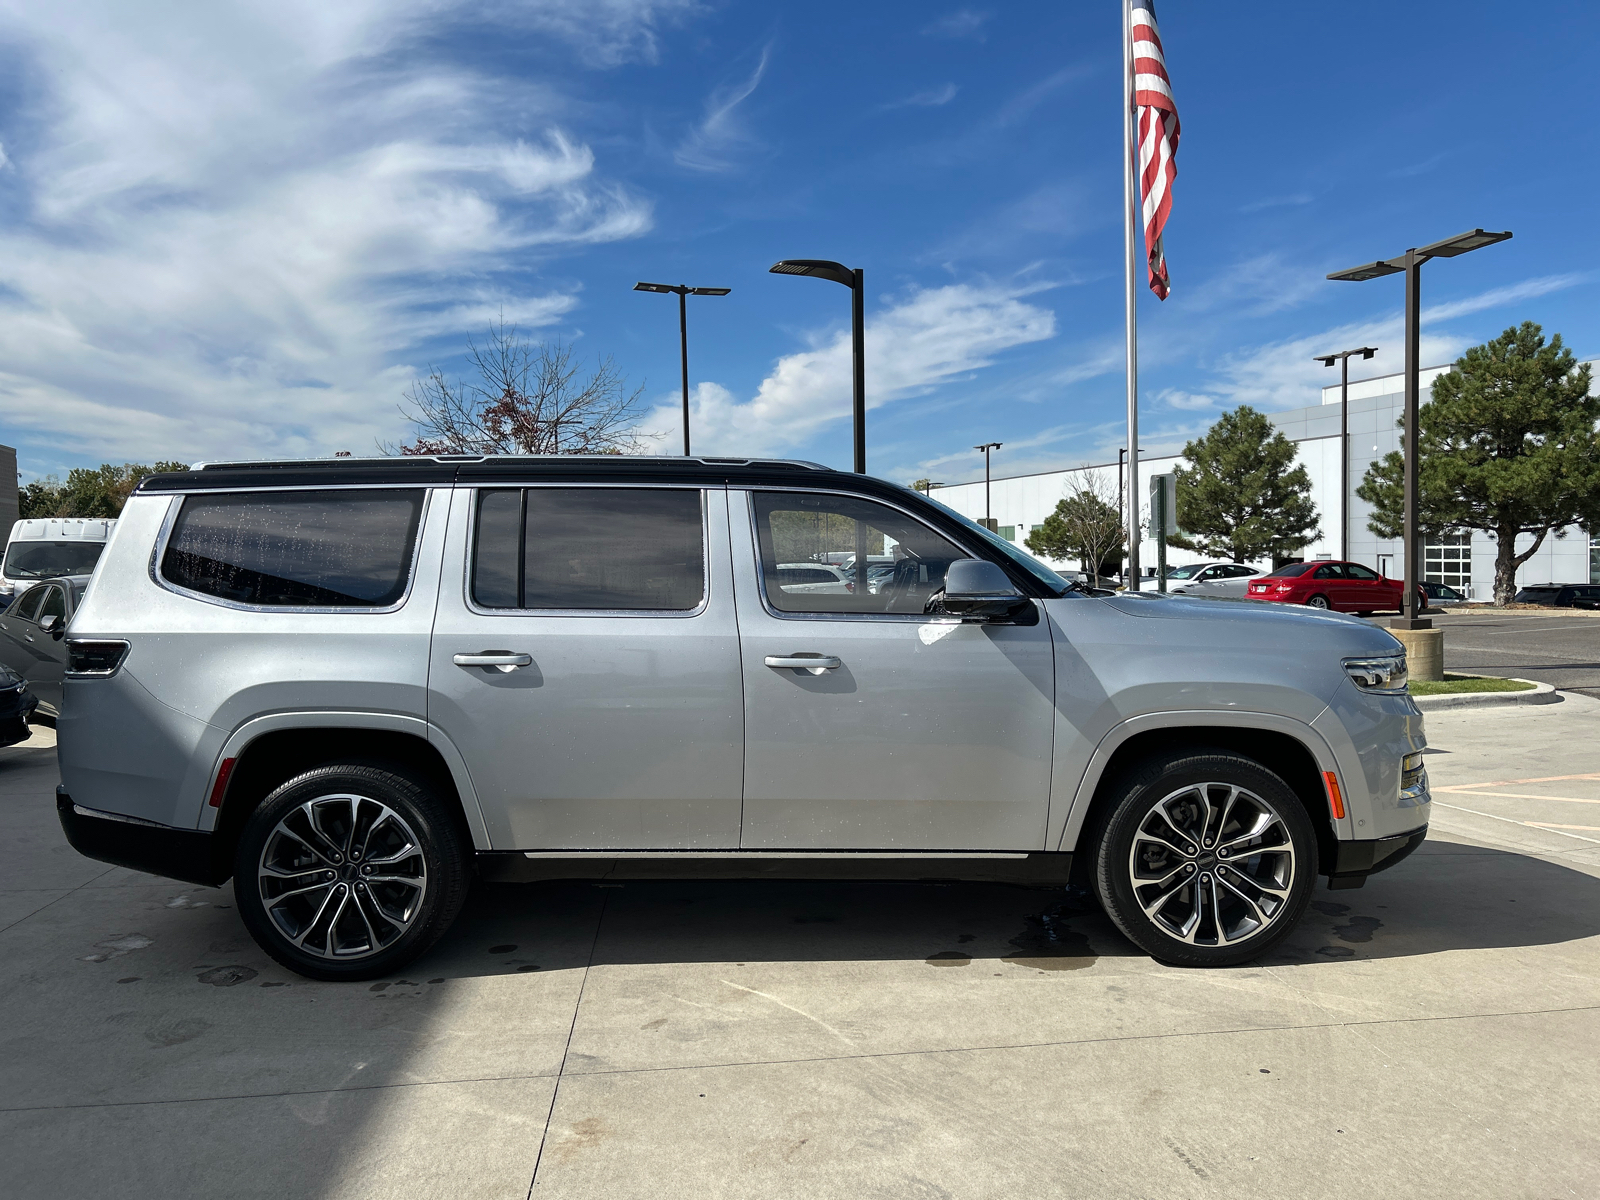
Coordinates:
<point>1158,136</point>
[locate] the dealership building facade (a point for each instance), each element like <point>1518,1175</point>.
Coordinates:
<point>1464,561</point>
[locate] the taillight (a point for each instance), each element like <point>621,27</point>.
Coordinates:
<point>1284,587</point>
<point>94,658</point>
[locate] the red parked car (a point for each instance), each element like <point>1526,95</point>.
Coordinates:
<point>1341,586</point>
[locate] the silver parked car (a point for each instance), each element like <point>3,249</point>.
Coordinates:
<point>352,685</point>
<point>1207,579</point>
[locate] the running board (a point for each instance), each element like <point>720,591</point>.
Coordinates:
<point>1007,866</point>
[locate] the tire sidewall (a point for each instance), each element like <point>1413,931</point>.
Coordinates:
<point>1141,790</point>
<point>442,848</point>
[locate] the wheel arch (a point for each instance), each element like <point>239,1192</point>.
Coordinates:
<point>1290,749</point>
<point>269,750</point>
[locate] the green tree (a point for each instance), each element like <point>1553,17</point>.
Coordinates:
<point>1083,526</point>
<point>89,491</point>
<point>1240,497</point>
<point>1507,445</point>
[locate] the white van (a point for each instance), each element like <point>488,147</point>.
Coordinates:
<point>49,547</point>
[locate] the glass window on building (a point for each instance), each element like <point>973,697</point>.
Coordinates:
<point>1594,557</point>
<point>1448,560</point>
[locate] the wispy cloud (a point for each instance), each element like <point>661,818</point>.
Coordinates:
<point>1267,202</point>
<point>241,232</point>
<point>962,23</point>
<point>928,338</point>
<point>1528,289</point>
<point>709,146</point>
<point>932,98</point>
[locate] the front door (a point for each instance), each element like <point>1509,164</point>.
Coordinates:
<point>586,664</point>
<point>910,732</point>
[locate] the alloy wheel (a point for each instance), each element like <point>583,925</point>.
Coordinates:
<point>1212,864</point>
<point>342,876</point>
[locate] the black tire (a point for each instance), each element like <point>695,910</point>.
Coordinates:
<point>1156,917</point>
<point>1319,602</point>
<point>389,910</point>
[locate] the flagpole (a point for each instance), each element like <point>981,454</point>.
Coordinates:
<point>1130,196</point>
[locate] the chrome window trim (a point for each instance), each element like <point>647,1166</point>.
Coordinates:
<point>177,502</point>
<point>473,490</point>
<point>868,617</point>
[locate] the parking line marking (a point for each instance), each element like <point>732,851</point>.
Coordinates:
<point>1546,825</point>
<point>1461,787</point>
<point>1521,796</point>
<point>1514,821</point>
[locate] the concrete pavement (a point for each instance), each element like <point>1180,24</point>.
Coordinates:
<point>1429,1035</point>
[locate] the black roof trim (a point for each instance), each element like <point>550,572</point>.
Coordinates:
<point>445,469</point>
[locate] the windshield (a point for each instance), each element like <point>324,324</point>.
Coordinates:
<point>1188,572</point>
<point>1021,558</point>
<point>45,560</point>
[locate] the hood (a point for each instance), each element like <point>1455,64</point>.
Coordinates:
<point>1366,638</point>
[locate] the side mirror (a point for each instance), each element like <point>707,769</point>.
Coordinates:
<point>50,623</point>
<point>974,587</point>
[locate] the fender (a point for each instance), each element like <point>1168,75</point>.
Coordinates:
<point>1300,731</point>
<point>252,729</point>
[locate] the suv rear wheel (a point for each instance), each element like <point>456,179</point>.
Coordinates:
<point>1206,859</point>
<point>349,872</point>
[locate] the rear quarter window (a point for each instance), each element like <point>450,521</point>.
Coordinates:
<point>344,548</point>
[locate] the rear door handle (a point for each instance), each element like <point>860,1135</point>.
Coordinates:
<point>814,663</point>
<point>503,660</point>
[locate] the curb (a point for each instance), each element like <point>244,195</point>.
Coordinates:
<point>1542,693</point>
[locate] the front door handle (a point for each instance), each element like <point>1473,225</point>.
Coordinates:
<point>502,660</point>
<point>816,664</point>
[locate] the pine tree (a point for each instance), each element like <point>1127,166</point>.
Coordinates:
<point>1240,498</point>
<point>1507,445</point>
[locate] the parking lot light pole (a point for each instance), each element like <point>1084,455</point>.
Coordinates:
<point>988,515</point>
<point>1411,263</point>
<point>1343,359</point>
<point>821,268</point>
<point>928,485</point>
<point>683,293</point>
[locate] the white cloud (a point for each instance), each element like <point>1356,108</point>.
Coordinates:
<point>708,146</point>
<point>932,98</point>
<point>244,218</point>
<point>1528,289</point>
<point>930,337</point>
<point>963,23</point>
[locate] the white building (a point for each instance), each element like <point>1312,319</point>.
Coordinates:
<point>1021,502</point>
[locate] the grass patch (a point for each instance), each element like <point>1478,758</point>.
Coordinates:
<point>1451,684</point>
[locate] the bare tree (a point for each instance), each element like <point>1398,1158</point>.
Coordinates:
<point>527,398</point>
<point>1085,525</point>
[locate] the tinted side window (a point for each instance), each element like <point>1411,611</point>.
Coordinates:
<point>1357,571</point>
<point>28,606</point>
<point>1329,571</point>
<point>609,549</point>
<point>55,604</point>
<point>903,561</point>
<point>311,549</point>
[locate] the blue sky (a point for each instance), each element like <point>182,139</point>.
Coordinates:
<point>240,230</point>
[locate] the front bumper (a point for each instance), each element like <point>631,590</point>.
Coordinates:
<point>185,854</point>
<point>1354,861</point>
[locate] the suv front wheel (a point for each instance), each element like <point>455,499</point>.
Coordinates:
<point>349,872</point>
<point>1206,860</point>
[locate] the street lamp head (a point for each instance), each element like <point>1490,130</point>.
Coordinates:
<point>653,287</point>
<point>1327,360</point>
<point>1367,271</point>
<point>988,446</point>
<point>709,291</point>
<point>1473,239</point>
<point>817,268</point>
<point>1368,351</point>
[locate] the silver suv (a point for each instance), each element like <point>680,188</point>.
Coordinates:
<point>354,685</point>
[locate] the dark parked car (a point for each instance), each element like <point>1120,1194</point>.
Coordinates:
<point>17,703</point>
<point>1439,594</point>
<point>1561,595</point>
<point>32,633</point>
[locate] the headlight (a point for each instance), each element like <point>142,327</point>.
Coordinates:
<point>1385,673</point>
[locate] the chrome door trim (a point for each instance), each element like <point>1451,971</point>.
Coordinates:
<point>158,552</point>
<point>856,855</point>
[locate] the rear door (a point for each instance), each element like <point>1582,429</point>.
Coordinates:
<point>1328,581</point>
<point>911,732</point>
<point>585,661</point>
